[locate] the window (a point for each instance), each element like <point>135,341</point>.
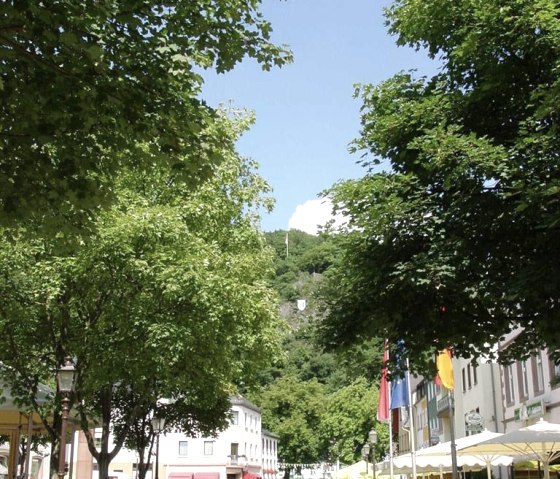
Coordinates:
<point>97,439</point>
<point>463,380</point>
<point>508,383</point>
<point>469,375</point>
<point>554,373</point>
<point>208,448</point>
<point>431,393</point>
<point>475,373</point>
<point>523,380</point>
<point>234,417</point>
<point>435,425</point>
<point>538,374</point>
<point>183,448</point>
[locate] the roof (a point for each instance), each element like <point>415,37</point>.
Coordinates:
<point>241,401</point>
<point>266,432</point>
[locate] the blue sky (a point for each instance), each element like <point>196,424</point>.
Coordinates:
<point>305,112</point>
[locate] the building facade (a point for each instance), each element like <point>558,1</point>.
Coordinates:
<point>530,388</point>
<point>487,396</point>
<point>242,451</point>
<point>474,405</point>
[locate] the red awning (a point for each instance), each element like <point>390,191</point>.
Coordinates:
<point>250,475</point>
<point>206,475</point>
<point>180,475</point>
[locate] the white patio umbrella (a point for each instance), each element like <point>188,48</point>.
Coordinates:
<point>540,441</point>
<point>403,466</point>
<point>438,458</point>
<point>353,471</point>
<point>469,459</point>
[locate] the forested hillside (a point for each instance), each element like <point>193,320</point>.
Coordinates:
<point>320,404</point>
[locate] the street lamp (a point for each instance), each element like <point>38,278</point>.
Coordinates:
<point>158,423</point>
<point>65,381</point>
<point>372,436</point>
<point>365,453</point>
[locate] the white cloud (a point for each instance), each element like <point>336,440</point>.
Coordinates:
<point>310,215</point>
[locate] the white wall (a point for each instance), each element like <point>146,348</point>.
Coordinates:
<point>477,389</point>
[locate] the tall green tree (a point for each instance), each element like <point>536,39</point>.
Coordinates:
<point>82,84</point>
<point>167,300</point>
<point>348,418</point>
<point>457,242</point>
<point>293,409</point>
<point>344,380</point>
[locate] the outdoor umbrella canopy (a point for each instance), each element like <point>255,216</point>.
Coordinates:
<point>438,457</point>
<point>354,471</point>
<point>470,459</point>
<point>540,441</point>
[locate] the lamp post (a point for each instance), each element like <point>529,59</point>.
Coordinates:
<point>65,381</point>
<point>372,436</point>
<point>158,423</point>
<point>365,453</point>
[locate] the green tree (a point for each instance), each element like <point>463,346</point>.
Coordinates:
<point>347,420</point>
<point>82,85</point>
<point>344,378</point>
<point>167,299</point>
<point>458,242</point>
<point>293,409</point>
<point>294,256</point>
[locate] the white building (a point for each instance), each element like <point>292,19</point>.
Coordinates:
<point>269,454</point>
<point>477,397</point>
<point>242,451</point>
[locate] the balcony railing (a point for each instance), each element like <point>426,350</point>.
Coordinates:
<point>443,406</point>
<point>237,460</point>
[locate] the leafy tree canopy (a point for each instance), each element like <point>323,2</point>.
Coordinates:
<point>305,376</point>
<point>84,84</point>
<point>459,241</point>
<point>167,299</point>
<point>293,410</point>
<point>297,253</point>
<point>348,419</point>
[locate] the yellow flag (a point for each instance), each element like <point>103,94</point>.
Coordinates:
<point>445,369</point>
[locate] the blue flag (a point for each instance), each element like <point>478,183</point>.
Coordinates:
<point>399,386</point>
<point>399,392</point>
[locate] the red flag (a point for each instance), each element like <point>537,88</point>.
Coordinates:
<point>383,404</point>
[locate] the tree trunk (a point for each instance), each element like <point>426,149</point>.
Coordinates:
<point>103,462</point>
<point>53,459</point>
<point>143,470</point>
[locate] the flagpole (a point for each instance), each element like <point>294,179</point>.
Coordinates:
<point>454,471</point>
<point>391,468</point>
<point>384,411</point>
<point>445,378</point>
<point>412,430</point>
